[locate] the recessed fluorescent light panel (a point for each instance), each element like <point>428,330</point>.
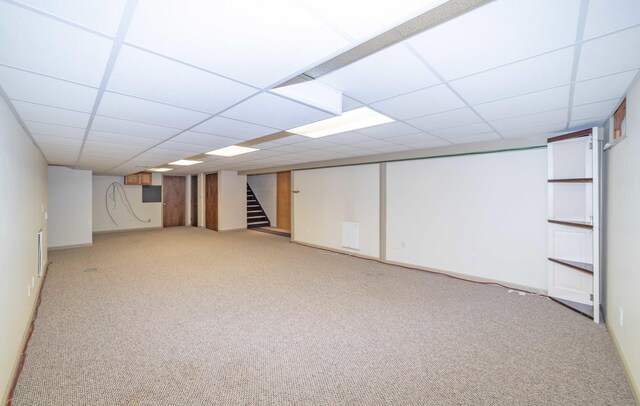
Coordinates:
<point>185,162</point>
<point>160,169</point>
<point>231,151</point>
<point>351,120</point>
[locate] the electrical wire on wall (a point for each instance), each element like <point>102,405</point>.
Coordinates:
<point>115,191</point>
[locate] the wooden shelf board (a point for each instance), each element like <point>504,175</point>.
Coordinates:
<point>577,134</point>
<point>579,266</point>
<point>584,309</point>
<point>579,224</point>
<point>572,180</point>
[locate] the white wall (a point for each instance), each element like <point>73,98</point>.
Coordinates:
<point>124,219</point>
<point>328,197</point>
<point>70,217</point>
<point>232,201</point>
<point>622,238</point>
<point>443,211</point>
<point>265,188</point>
<point>23,181</point>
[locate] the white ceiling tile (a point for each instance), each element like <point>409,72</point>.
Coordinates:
<point>474,138</point>
<point>237,39</point>
<point>594,110</point>
<point>349,104</point>
<point>605,88</point>
<point>388,130</point>
<point>363,18</point>
<point>387,73</point>
<point>547,117</point>
<point>227,127</point>
<point>119,126</point>
<point>40,89</point>
<point>287,148</point>
<point>111,148</point>
<point>415,139</point>
<point>152,77</point>
<point>341,148</point>
<point>59,147</point>
<point>545,100</point>
<point>53,140</point>
<point>41,44</point>
<point>211,141</point>
<point>611,54</point>
<point>448,119</point>
<point>577,125</point>
<point>605,16</point>
<point>161,156</point>
<point>347,138</point>
<point>542,72</point>
<point>420,103</point>
<point>535,131</point>
<point>130,108</point>
<point>375,144</point>
<point>389,148</point>
<point>100,15</point>
<point>55,130</point>
<point>498,33</point>
<point>104,136</point>
<point>60,158</point>
<point>189,149</point>
<point>463,131</point>
<point>276,112</point>
<point>291,139</point>
<point>267,145</point>
<point>51,115</point>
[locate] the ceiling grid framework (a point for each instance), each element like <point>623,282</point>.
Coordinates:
<point>540,79</point>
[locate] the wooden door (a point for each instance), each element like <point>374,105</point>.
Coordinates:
<point>283,200</point>
<point>194,200</point>
<point>173,201</point>
<point>211,202</point>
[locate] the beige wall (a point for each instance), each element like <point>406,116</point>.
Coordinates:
<point>70,218</point>
<point>232,201</point>
<point>480,215</point>
<point>622,238</point>
<point>23,180</point>
<point>327,197</point>
<point>124,219</point>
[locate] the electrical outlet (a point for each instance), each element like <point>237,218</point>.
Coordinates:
<point>28,290</point>
<point>33,281</point>
<point>46,216</point>
<point>474,258</point>
<point>621,317</point>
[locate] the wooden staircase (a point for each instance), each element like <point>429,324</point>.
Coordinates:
<point>256,217</point>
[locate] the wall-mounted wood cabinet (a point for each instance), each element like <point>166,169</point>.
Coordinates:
<point>140,178</point>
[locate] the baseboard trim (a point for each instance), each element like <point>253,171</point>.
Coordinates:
<point>338,251</point>
<point>127,230</point>
<point>26,336</point>
<point>65,247</point>
<point>635,391</point>
<point>455,275</point>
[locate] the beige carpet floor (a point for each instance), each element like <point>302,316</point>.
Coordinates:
<point>188,316</point>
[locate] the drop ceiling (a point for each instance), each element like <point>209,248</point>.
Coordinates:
<point>119,85</point>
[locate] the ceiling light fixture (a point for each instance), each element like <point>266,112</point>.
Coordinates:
<point>185,162</point>
<point>351,120</point>
<point>231,151</point>
<point>160,169</point>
